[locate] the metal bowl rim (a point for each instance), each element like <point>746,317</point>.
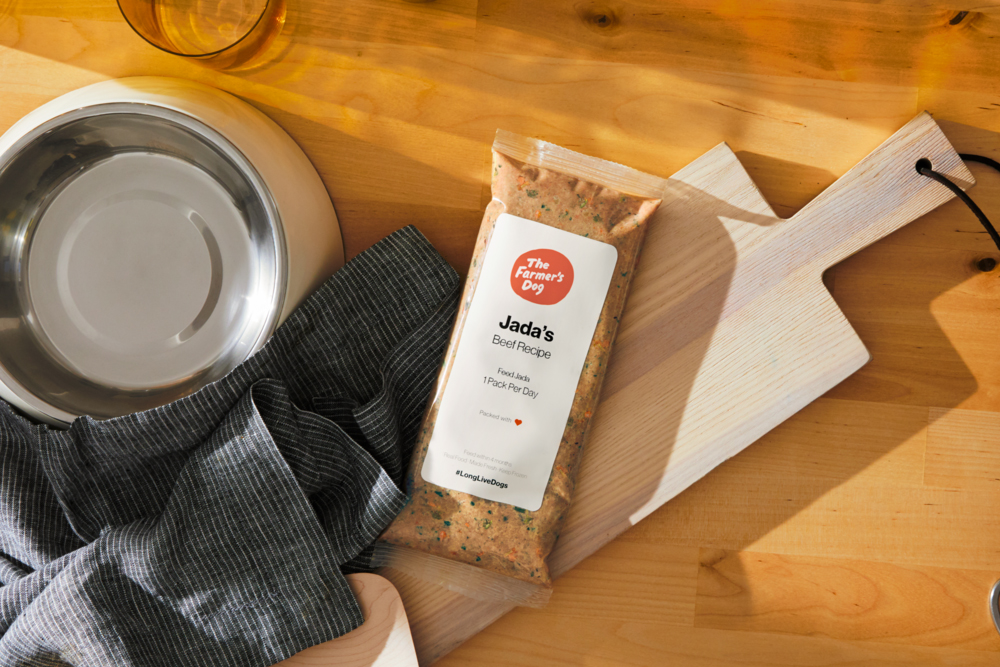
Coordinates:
<point>210,136</point>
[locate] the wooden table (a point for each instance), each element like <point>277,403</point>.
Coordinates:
<point>865,530</point>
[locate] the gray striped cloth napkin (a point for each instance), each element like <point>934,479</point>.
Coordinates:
<point>217,530</point>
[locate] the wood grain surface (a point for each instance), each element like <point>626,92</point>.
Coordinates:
<point>864,530</point>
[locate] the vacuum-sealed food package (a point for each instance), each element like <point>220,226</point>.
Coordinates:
<point>496,460</point>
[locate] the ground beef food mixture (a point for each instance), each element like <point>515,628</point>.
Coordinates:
<point>496,536</point>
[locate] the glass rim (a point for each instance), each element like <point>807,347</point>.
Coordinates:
<point>207,54</point>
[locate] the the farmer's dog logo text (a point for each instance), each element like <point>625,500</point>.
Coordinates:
<point>542,276</point>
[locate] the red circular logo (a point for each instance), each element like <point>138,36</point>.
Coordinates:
<point>542,276</point>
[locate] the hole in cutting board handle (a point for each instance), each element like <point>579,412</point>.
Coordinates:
<point>923,164</point>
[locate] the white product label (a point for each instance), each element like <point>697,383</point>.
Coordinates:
<point>526,337</point>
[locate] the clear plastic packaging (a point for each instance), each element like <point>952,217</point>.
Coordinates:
<point>525,362</point>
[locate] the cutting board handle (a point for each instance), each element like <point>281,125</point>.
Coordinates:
<point>879,195</point>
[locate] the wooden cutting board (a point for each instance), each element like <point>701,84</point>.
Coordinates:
<point>728,331</point>
<point>383,640</point>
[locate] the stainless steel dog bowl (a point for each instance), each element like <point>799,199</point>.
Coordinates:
<point>143,253</point>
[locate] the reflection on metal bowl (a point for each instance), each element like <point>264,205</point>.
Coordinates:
<point>152,239</point>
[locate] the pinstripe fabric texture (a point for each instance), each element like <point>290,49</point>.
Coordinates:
<point>216,530</point>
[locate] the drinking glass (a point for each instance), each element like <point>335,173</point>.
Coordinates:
<point>222,34</point>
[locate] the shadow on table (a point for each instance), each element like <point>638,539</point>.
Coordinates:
<point>897,374</point>
<point>337,22</point>
<point>338,37</point>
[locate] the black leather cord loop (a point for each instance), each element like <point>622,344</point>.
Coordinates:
<point>924,167</point>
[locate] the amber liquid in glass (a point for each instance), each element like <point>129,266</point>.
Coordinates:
<point>219,33</point>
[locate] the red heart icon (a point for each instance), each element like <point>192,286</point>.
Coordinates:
<point>517,421</point>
